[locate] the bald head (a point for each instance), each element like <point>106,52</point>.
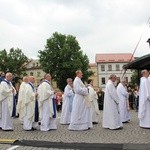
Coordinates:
<point>123,81</point>
<point>69,81</point>
<point>9,76</point>
<point>79,73</point>
<point>31,79</point>
<point>145,73</point>
<point>26,79</point>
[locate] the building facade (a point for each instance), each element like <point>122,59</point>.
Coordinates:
<point>93,67</point>
<point>33,68</point>
<point>108,64</point>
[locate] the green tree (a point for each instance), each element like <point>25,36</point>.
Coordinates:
<point>3,60</point>
<point>13,61</point>
<point>61,57</point>
<point>135,78</point>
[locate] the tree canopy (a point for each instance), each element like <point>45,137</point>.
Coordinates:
<point>135,79</point>
<point>61,57</point>
<point>13,61</point>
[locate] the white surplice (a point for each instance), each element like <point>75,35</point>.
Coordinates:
<point>46,110</point>
<point>6,105</point>
<point>123,103</point>
<point>111,116</point>
<point>94,104</point>
<point>80,116</point>
<point>29,107</point>
<point>67,105</point>
<point>0,112</point>
<point>21,101</point>
<point>144,103</point>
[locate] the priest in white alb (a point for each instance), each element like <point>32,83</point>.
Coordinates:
<point>124,101</point>
<point>94,103</point>
<point>29,106</point>
<point>80,116</point>
<point>144,100</point>
<point>7,91</point>
<point>47,105</point>
<point>111,114</point>
<point>67,103</point>
<point>21,98</point>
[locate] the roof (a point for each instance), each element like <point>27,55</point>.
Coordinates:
<point>33,64</point>
<point>139,63</point>
<point>114,57</point>
<point>92,65</point>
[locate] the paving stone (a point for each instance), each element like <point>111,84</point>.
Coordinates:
<point>131,133</point>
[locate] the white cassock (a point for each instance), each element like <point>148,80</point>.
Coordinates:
<point>111,116</point>
<point>94,104</point>
<point>29,107</point>
<point>6,105</point>
<point>149,79</point>
<point>46,106</point>
<point>21,100</point>
<point>67,105</point>
<point>80,116</point>
<point>123,103</point>
<point>144,103</point>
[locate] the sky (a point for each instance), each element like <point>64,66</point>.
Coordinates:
<point>100,26</point>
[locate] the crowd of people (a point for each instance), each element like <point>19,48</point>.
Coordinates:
<point>81,103</point>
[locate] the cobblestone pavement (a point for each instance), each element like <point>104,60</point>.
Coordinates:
<point>131,133</point>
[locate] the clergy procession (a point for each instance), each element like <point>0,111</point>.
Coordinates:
<point>37,110</point>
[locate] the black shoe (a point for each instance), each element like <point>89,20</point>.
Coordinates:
<point>95,122</point>
<point>17,116</point>
<point>125,122</point>
<point>120,128</point>
<point>145,127</point>
<point>32,129</point>
<point>8,130</point>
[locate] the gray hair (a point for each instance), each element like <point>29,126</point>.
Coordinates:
<point>112,75</point>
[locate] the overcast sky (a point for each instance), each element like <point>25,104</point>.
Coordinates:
<point>100,26</point>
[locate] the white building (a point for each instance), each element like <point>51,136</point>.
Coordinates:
<point>33,68</point>
<point>108,64</point>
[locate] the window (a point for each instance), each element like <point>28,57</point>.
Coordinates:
<point>117,67</point>
<point>31,73</point>
<point>102,67</point>
<point>109,67</point>
<point>38,74</point>
<point>103,80</point>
